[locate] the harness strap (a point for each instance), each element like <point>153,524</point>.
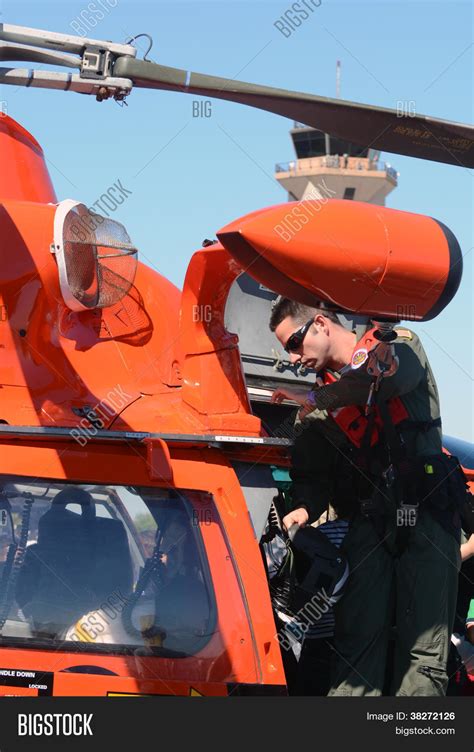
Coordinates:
<point>394,440</point>
<point>396,449</point>
<point>420,425</point>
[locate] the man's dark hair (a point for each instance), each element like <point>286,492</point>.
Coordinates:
<point>299,312</point>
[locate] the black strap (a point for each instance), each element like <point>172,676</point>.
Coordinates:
<point>419,425</point>
<point>393,438</point>
<point>367,437</point>
<point>403,539</point>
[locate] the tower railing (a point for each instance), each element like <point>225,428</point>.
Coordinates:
<point>335,161</point>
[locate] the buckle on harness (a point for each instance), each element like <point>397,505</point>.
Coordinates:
<point>389,476</point>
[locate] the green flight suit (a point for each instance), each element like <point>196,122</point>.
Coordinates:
<point>415,590</point>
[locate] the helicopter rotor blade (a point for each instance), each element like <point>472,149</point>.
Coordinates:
<point>368,126</point>
<point>21,52</point>
<point>63,42</point>
<point>108,69</point>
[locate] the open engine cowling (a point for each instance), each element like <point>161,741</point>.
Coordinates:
<point>356,257</point>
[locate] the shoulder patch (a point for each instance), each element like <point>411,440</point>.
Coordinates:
<point>404,333</point>
<point>359,357</point>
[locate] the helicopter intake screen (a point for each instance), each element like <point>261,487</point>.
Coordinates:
<point>97,260</point>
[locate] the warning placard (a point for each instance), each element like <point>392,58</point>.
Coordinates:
<point>35,683</point>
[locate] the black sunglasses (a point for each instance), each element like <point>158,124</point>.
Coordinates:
<point>295,340</point>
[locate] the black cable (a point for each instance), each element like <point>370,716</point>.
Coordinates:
<point>153,564</point>
<point>132,39</point>
<point>15,557</point>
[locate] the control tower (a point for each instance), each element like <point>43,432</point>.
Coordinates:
<point>325,167</point>
<point>329,166</point>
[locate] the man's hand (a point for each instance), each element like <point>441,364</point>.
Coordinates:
<point>283,393</point>
<point>467,549</point>
<point>307,407</point>
<point>298,516</point>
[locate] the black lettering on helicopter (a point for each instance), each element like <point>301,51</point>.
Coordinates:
<point>3,313</point>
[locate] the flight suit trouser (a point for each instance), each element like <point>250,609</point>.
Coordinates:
<point>417,591</point>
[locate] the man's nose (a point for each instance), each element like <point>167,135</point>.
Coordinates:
<point>294,358</point>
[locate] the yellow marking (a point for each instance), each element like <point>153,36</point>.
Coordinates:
<point>194,693</point>
<point>127,694</point>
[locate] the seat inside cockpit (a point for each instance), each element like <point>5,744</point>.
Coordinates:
<point>77,561</point>
<point>72,564</point>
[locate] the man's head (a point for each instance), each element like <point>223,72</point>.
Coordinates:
<point>314,336</point>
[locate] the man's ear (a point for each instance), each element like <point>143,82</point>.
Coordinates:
<point>321,323</point>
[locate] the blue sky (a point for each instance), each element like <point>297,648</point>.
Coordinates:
<point>190,176</point>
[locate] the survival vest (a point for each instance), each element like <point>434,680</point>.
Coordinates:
<point>352,419</point>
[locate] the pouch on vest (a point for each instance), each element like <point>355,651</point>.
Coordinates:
<point>444,490</point>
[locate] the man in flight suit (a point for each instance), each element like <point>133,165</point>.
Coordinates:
<point>403,540</point>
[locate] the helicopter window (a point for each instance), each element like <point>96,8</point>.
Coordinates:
<point>103,568</point>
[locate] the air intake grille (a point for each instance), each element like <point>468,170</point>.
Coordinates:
<point>99,258</point>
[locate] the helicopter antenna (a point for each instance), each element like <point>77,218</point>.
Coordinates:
<point>338,79</point>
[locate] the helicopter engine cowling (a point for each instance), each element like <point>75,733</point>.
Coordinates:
<point>353,256</point>
<point>24,175</point>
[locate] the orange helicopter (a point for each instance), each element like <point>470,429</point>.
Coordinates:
<point>134,447</point>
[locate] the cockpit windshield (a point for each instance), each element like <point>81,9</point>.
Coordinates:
<point>103,568</point>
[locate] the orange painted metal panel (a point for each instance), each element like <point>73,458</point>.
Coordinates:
<point>244,648</point>
<point>358,257</point>
<point>24,175</point>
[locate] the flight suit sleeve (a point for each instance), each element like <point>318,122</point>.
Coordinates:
<point>353,386</point>
<point>310,464</point>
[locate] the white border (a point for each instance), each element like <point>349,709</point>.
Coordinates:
<point>62,210</point>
